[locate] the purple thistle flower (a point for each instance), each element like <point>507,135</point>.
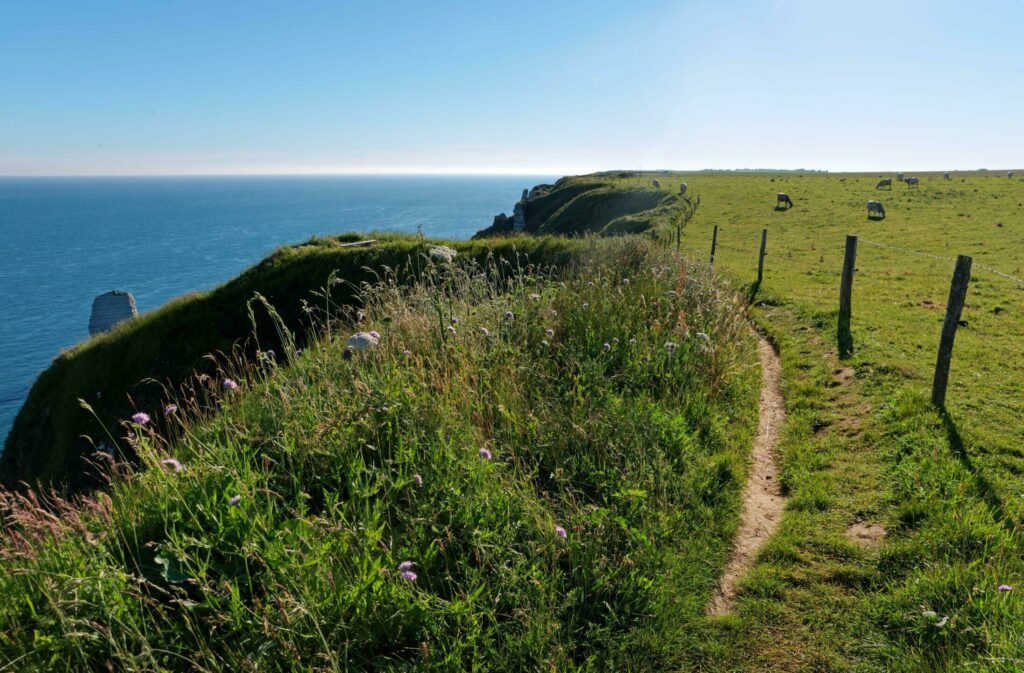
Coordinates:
<point>172,463</point>
<point>229,384</point>
<point>485,454</point>
<point>418,479</point>
<point>234,500</point>
<point>140,418</point>
<point>170,409</point>
<point>1005,587</point>
<point>560,532</point>
<point>509,315</point>
<point>270,353</point>
<point>550,332</point>
<point>405,570</point>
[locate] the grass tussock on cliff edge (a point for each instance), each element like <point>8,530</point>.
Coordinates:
<point>131,366</point>
<point>556,459</point>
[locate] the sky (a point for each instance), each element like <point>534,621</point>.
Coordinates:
<point>270,87</point>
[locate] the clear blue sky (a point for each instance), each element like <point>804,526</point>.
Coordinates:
<point>535,87</point>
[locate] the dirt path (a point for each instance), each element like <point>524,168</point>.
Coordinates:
<point>762,497</point>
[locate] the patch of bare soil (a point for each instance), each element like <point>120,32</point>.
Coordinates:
<point>762,496</point>
<point>866,534</point>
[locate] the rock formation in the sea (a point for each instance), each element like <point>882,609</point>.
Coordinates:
<point>519,215</point>
<point>110,308</point>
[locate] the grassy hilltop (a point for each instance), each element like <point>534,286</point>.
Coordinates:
<point>539,466</point>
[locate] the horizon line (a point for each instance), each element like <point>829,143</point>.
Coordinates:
<point>512,172</point>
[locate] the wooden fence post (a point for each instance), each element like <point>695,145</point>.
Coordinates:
<point>714,244</point>
<point>954,307</point>
<point>846,297</point>
<point>760,258</point>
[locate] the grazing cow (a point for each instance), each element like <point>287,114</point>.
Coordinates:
<point>884,183</point>
<point>899,176</point>
<point>876,209</point>
<point>656,183</point>
<point>1010,174</point>
<point>782,201</point>
<point>946,175</point>
<point>682,188</point>
<point>912,182</point>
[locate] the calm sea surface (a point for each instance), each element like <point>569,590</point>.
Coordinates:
<point>65,240</point>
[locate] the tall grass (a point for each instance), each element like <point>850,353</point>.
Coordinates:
<point>532,470</point>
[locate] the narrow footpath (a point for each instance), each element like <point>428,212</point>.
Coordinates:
<point>762,497</point>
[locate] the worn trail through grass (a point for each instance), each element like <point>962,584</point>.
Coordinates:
<point>762,496</point>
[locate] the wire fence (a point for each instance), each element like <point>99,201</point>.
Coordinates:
<point>800,262</point>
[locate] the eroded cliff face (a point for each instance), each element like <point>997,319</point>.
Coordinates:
<point>587,204</point>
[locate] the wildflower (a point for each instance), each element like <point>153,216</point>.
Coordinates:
<point>170,409</point>
<point>405,570</point>
<point>407,353</point>
<point>172,463</point>
<point>1005,587</point>
<point>632,341</point>
<point>625,281</point>
<point>235,499</point>
<point>298,352</point>
<point>534,296</point>
<point>509,315</point>
<point>363,341</point>
<point>590,283</point>
<point>544,342</point>
<point>270,353</point>
<point>704,336</point>
<point>586,304</point>
<point>615,341</point>
<point>229,384</point>
<point>485,454</point>
<point>550,332</point>
<point>560,532</point>
<point>672,294</point>
<point>418,479</point>
<point>451,329</point>
<point>671,347</point>
<point>607,346</point>
<point>140,418</point>
<point>486,332</point>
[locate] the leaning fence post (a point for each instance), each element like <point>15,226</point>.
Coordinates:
<point>846,296</point>
<point>954,307</point>
<point>714,244</point>
<point>760,258</point>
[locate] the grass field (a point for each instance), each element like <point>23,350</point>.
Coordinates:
<point>900,548</point>
<point>870,447</point>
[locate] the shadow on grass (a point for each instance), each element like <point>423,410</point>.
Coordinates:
<point>985,489</point>
<point>752,291</point>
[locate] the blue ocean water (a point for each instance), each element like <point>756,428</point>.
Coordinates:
<point>65,240</point>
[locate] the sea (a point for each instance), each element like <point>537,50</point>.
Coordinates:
<point>65,240</point>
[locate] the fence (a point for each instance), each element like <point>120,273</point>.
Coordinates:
<point>954,306</point>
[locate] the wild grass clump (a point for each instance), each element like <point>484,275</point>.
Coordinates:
<point>524,470</point>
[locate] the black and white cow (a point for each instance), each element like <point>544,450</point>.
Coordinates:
<point>782,201</point>
<point>882,184</point>
<point>876,209</point>
<point>912,182</point>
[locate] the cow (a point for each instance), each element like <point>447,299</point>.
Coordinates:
<point>912,182</point>
<point>682,188</point>
<point>876,209</point>
<point>884,183</point>
<point>782,201</point>
<point>656,183</point>
<point>946,175</point>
